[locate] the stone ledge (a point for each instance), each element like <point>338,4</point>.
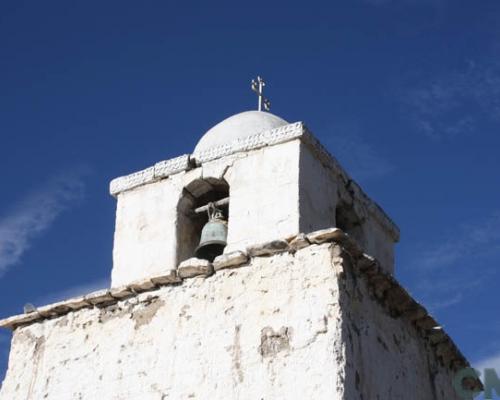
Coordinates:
<point>194,267</point>
<point>386,290</point>
<point>159,171</point>
<point>99,298</point>
<point>230,260</point>
<point>268,248</point>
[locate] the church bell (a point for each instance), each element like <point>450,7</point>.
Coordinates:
<point>213,235</point>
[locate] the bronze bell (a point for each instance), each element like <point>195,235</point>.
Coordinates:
<point>213,235</point>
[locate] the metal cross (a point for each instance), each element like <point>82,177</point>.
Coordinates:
<point>258,87</point>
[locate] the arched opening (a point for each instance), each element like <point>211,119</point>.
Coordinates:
<point>347,220</point>
<point>193,214</point>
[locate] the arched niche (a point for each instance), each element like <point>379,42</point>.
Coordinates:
<point>190,221</point>
<point>347,219</point>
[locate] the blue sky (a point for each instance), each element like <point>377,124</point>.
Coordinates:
<point>405,93</point>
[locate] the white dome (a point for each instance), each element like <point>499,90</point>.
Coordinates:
<point>238,126</point>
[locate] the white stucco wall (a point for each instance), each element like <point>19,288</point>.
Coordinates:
<point>386,356</point>
<point>264,192</point>
<point>264,188</point>
<point>275,191</point>
<point>318,193</point>
<point>289,326</point>
<point>145,231</point>
<point>379,244</point>
<point>268,331</point>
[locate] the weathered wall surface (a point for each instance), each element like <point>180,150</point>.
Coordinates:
<point>265,331</point>
<point>321,191</point>
<point>275,191</point>
<point>145,230</point>
<point>264,192</point>
<point>148,236</point>
<point>386,357</point>
<point>298,325</point>
<point>318,196</point>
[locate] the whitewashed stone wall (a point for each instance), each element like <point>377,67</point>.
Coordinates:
<point>318,193</point>
<point>264,186</point>
<point>264,192</point>
<point>275,191</point>
<point>282,182</point>
<point>386,357</point>
<point>145,241</point>
<point>291,326</point>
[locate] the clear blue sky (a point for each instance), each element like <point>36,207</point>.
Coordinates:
<point>405,93</point>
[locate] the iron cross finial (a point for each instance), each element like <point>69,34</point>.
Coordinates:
<point>258,87</point>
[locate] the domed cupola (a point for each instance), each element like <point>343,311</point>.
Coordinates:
<point>238,126</point>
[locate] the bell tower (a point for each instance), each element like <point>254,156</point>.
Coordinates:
<point>253,268</point>
<point>262,176</point>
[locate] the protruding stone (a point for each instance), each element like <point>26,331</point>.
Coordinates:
<point>52,310</point>
<point>299,242</point>
<point>267,248</point>
<point>436,335</point>
<point>142,285</point>
<point>121,292</point>
<point>230,260</point>
<point>398,298</point>
<point>21,319</point>
<point>426,323</point>
<point>366,262</point>
<point>414,312</point>
<point>445,350</point>
<point>325,235</point>
<point>166,279</point>
<point>195,267</point>
<point>352,246</point>
<point>380,285</point>
<point>99,297</point>
<point>77,303</point>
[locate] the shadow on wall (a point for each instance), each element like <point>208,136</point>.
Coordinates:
<point>348,220</point>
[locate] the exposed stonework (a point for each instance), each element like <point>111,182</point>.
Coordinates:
<point>230,260</point>
<point>195,267</point>
<point>268,248</point>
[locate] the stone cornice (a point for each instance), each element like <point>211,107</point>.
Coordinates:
<point>158,171</point>
<point>386,290</point>
<point>296,130</point>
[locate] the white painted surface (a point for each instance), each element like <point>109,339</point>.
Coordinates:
<point>201,340</point>
<point>386,357</point>
<point>275,191</point>
<point>145,242</point>
<point>318,195</point>
<point>290,326</point>
<point>264,191</point>
<point>238,126</point>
